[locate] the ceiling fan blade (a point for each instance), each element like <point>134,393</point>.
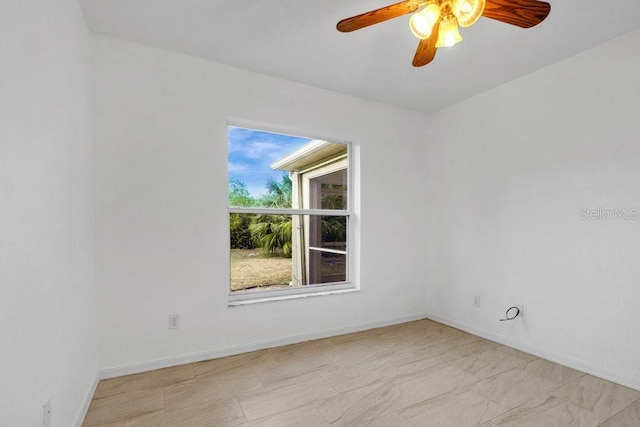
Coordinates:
<point>522,13</point>
<point>426,49</point>
<point>378,15</point>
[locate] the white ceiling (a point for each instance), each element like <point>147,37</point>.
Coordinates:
<point>297,40</point>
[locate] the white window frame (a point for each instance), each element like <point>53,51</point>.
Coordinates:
<point>334,165</point>
<point>255,296</point>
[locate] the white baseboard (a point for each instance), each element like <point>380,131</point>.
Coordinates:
<point>152,365</point>
<point>86,401</point>
<point>580,365</point>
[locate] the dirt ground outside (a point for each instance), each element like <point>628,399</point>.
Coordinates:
<point>251,269</point>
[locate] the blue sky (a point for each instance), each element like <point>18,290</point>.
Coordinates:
<point>252,151</point>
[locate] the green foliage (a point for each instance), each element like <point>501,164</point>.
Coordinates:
<point>239,195</point>
<point>334,229</point>
<point>239,223</point>
<point>240,233</point>
<point>272,233</point>
<point>278,192</point>
<point>333,196</point>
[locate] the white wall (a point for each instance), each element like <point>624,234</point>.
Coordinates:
<point>162,226</point>
<point>508,172</point>
<point>47,289</point>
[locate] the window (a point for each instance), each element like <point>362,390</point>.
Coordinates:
<point>289,212</point>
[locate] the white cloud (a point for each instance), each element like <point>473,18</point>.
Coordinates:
<point>261,149</point>
<point>238,167</point>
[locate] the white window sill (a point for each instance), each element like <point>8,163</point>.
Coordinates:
<point>261,299</point>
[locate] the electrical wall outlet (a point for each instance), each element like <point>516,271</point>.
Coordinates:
<point>174,321</point>
<point>46,414</point>
<point>476,301</point>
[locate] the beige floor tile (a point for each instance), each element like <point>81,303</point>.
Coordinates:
<point>513,388</point>
<point>407,336</point>
<point>489,363</point>
<point>235,374</point>
<point>420,373</point>
<point>389,420</point>
<point>284,396</point>
<point>394,364</point>
<point>417,364</point>
<point>358,336</point>
<point>628,417</point>
<point>298,359</point>
<point>548,411</point>
<point>552,371</point>
<point>445,345</point>
<point>147,380</point>
<point>462,409</point>
<point>195,395</point>
<point>353,353</point>
<point>221,412</point>
<point>373,401</point>
<point>361,399</point>
<point>124,406</point>
<point>313,352</point>
<point>307,416</point>
<point>248,363</point>
<point>424,327</point>
<point>116,424</point>
<point>368,372</point>
<point>599,396</point>
<point>238,383</point>
<point>416,336</point>
<point>295,360</point>
<point>517,353</point>
<point>472,348</point>
<point>284,373</point>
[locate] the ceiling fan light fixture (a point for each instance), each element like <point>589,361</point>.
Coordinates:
<point>467,11</point>
<point>421,23</point>
<point>448,34</point>
<point>435,22</point>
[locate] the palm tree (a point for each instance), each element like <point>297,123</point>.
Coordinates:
<point>273,232</point>
<point>278,192</point>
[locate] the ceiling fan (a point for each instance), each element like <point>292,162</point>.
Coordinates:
<point>435,22</point>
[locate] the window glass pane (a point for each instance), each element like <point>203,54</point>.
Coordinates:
<point>329,191</point>
<point>282,251</point>
<point>327,267</point>
<point>328,232</point>
<point>260,251</point>
<point>268,170</point>
<point>283,172</point>
<point>252,180</point>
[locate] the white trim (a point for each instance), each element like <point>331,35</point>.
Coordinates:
<point>282,130</point>
<point>308,148</point>
<point>289,211</point>
<point>86,401</point>
<point>562,359</point>
<point>151,365</point>
<point>287,163</point>
<point>281,295</point>
<point>342,161</point>
<point>323,164</point>
<point>292,292</point>
<point>331,251</point>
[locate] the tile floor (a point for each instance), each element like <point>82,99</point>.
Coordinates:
<point>416,374</point>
